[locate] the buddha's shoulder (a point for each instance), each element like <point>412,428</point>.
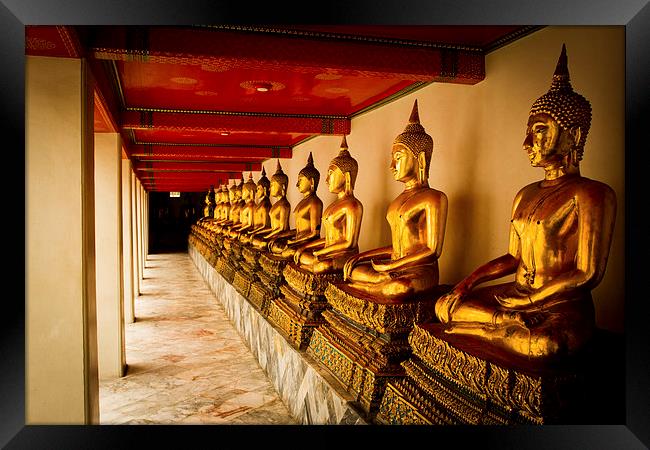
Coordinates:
<point>429,194</point>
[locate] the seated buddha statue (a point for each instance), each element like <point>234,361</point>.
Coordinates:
<point>560,234</point>
<point>341,220</point>
<point>417,220</point>
<point>308,214</point>
<point>246,212</point>
<point>261,218</point>
<point>207,209</point>
<point>278,214</point>
<point>218,203</point>
<point>225,205</point>
<point>236,204</point>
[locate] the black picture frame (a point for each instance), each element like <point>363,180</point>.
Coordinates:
<point>634,15</point>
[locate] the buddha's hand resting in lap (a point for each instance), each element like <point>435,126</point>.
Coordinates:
<point>349,266</point>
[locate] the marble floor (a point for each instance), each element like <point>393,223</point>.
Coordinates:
<point>186,363</point>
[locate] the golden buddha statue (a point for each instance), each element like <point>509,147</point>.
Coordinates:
<point>278,214</point>
<point>417,220</point>
<point>341,220</point>
<point>560,235</point>
<point>207,209</point>
<point>247,210</point>
<point>225,205</point>
<point>261,218</point>
<point>308,214</point>
<point>218,202</point>
<point>236,204</point>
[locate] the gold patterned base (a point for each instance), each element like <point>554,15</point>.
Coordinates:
<point>366,385</point>
<point>227,268</point>
<point>462,380</point>
<point>267,286</point>
<point>297,311</point>
<point>260,295</point>
<point>371,334</point>
<point>242,281</point>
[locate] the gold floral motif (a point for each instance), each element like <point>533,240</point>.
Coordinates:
<point>307,282</point>
<point>381,317</point>
<point>272,265</point>
<point>530,397</point>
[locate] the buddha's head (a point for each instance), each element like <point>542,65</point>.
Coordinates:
<point>248,189</point>
<point>412,149</point>
<point>238,189</point>
<point>558,122</point>
<point>308,177</point>
<point>279,182</point>
<point>225,193</point>
<point>342,172</point>
<point>263,185</point>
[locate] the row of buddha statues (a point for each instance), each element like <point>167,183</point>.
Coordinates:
<point>380,320</point>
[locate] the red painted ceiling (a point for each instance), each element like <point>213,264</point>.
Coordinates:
<point>184,98</point>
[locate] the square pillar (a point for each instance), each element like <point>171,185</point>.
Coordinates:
<point>134,234</point>
<point>127,243</point>
<point>108,255</point>
<point>60,318</point>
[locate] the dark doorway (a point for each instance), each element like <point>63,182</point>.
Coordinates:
<point>170,219</point>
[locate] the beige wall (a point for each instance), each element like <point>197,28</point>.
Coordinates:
<point>478,159</point>
<point>108,245</point>
<point>60,328</point>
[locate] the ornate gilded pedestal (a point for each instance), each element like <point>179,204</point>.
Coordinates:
<point>248,268</point>
<point>297,311</point>
<point>269,279</point>
<point>452,379</point>
<point>365,338</point>
<point>228,262</point>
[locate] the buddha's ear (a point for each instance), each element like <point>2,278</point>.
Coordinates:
<point>422,167</point>
<point>575,133</point>
<point>348,182</point>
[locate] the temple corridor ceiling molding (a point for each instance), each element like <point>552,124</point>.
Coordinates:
<point>199,105</point>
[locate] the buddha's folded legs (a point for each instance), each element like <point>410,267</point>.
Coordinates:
<point>395,284</point>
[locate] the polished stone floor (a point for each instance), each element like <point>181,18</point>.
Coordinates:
<point>186,363</point>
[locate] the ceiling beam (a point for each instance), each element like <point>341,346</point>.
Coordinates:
<point>220,50</point>
<point>207,153</point>
<point>141,166</point>
<point>234,122</point>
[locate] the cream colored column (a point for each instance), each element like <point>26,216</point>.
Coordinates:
<point>134,234</point>
<point>60,318</point>
<point>138,199</point>
<point>108,255</point>
<point>146,228</point>
<point>127,243</point>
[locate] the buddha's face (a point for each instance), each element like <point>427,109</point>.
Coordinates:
<point>232,196</point>
<point>546,142</point>
<point>247,193</point>
<point>260,191</point>
<point>238,194</point>
<point>403,163</point>
<point>303,184</point>
<point>335,179</point>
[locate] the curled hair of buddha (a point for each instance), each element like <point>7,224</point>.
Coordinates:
<point>310,172</point>
<point>415,139</point>
<point>263,181</point>
<point>345,162</point>
<point>279,176</point>
<point>564,105</point>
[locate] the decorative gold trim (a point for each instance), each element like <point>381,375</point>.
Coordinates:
<point>307,282</point>
<point>381,317</point>
<point>321,35</point>
<point>237,113</point>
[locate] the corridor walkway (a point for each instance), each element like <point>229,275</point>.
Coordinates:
<point>186,362</point>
